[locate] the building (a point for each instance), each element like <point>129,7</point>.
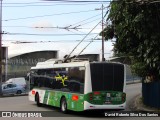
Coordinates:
<point>19,65</point>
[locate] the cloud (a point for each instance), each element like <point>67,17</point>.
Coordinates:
<point>43,25</point>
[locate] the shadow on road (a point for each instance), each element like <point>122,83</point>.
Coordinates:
<point>55,112</point>
<point>13,95</point>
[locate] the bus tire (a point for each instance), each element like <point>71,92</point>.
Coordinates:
<point>63,105</point>
<point>37,100</point>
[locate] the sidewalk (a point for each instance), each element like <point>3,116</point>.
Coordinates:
<point>137,105</point>
<point>133,82</point>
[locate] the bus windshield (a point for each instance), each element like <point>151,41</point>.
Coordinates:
<point>107,76</point>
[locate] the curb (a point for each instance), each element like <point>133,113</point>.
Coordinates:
<point>15,95</point>
<point>133,82</point>
<point>137,105</point>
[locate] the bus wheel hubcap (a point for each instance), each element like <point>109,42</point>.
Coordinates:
<point>63,106</point>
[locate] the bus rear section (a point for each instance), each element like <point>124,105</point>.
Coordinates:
<point>108,87</point>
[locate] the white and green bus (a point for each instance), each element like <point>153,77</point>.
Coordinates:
<point>79,86</point>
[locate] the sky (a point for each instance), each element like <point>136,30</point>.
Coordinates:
<point>34,25</point>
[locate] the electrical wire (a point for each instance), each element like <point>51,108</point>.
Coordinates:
<point>47,27</point>
<point>93,39</point>
<point>64,41</point>
<point>68,27</point>
<point>87,46</point>
<point>81,42</point>
<point>64,1</point>
<point>48,15</point>
<point>85,20</point>
<point>51,5</point>
<point>89,22</point>
<point>44,34</point>
<point>77,1</point>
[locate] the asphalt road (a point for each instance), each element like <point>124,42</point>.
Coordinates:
<point>21,103</point>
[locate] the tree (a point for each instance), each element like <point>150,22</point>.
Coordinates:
<point>136,26</point>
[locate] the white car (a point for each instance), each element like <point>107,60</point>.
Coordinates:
<point>18,81</point>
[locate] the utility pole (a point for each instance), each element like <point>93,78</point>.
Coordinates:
<point>1,48</point>
<point>103,59</point>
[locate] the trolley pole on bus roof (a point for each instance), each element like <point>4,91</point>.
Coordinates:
<point>0,47</point>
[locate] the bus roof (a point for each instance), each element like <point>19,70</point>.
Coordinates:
<point>51,64</point>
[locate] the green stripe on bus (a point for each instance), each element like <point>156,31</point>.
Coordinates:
<point>46,97</point>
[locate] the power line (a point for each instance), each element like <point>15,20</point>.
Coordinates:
<point>80,1</point>
<point>51,5</point>
<point>60,1</point>
<point>49,15</point>
<point>68,27</point>
<point>25,3</point>
<point>81,41</point>
<point>95,36</point>
<point>89,22</point>
<point>85,20</point>
<point>87,45</point>
<point>58,41</point>
<point>31,34</point>
<point>94,20</point>
<point>92,39</point>
<point>47,27</point>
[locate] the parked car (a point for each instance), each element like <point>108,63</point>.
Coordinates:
<point>18,81</point>
<point>12,88</point>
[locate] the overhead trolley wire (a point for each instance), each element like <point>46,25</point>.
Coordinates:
<point>44,34</point>
<point>66,27</point>
<point>49,5</point>
<point>48,15</point>
<point>81,42</point>
<point>78,28</point>
<point>87,45</point>
<point>43,41</point>
<point>61,1</point>
<point>83,1</point>
<point>85,20</point>
<point>93,39</point>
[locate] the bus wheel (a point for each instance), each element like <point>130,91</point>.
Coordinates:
<point>63,105</point>
<point>37,100</point>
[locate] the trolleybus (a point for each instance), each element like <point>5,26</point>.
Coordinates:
<point>79,86</point>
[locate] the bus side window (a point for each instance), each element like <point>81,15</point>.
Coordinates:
<point>53,84</point>
<point>70,87</point>
<point>39,82</point>
<point>76,87</point>
<point>58,85</point>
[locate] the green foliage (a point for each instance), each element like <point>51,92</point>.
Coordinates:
<point>136,27</point>
<point>138,68</point>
